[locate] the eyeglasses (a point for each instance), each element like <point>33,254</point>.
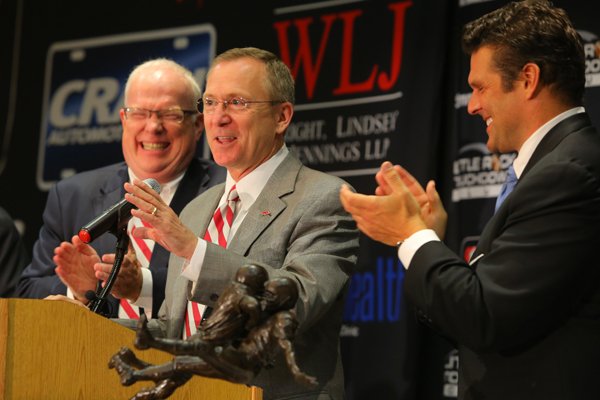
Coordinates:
<point>208,105</point>
<point>169,115</point>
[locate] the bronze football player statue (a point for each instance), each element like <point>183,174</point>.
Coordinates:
<point>252,322</point>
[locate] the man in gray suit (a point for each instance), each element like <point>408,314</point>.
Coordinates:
<point>288,219</point>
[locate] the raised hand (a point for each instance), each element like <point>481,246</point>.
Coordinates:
<point>75,267</point>
<point>432,209</point>
<point>167,230</point>
<point>128,284</point>
<point>389,217</point>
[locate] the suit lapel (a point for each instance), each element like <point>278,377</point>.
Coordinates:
<point>268,206</point>
<point>199,220</point>
<point>547,144</point>
<point>111,190</point>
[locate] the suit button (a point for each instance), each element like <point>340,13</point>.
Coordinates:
<point>214,297</point>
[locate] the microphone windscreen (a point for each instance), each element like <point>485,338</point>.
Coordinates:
<point>153,183</point>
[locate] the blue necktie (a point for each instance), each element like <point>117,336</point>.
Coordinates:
<point>507,187</point>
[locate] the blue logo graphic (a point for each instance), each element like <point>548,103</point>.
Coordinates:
<point>376,295</point>
<point>83,90</point>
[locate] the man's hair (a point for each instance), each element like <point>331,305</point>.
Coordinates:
<point>279,81</point>
<point>165,63</point>
<point>532,31</point>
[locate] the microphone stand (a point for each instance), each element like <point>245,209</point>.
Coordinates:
<point>98,300</point>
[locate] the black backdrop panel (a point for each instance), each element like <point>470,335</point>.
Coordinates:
<point>376,80</point>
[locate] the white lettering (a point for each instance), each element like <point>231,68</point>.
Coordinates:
<point>328,153</point>
<point>85,135</point>
<point>366,124</point>
<point>304,131</point>
<point>98,96</point>
<point>57,104</point>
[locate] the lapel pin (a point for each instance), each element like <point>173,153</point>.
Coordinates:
<point>265,213</point>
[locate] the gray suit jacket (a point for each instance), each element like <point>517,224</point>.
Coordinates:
<point>306,236</point>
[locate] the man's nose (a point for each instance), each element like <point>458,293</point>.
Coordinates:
<point>154,122</point>
<point>473,106</point>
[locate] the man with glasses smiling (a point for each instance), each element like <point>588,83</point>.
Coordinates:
<point>161,127</point>
<point>286,218</point>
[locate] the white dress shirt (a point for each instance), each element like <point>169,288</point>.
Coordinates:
<point>248,189</point>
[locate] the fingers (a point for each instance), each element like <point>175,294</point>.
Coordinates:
<point>102,269</point>
<point>144,197</point>
<point>392,178</point>
<point>432,194</point>
<point>434,198</point>
<point>435,215</point>
<point>83,248</point>
<point>410,181</point>
<point>354,202</point>
<point>141,232</point>
<point>129,280</point>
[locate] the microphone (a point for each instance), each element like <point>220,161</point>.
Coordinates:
<point>113,218</point>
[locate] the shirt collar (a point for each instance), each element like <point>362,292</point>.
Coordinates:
<point>527,149</point>
<point>251,185</point>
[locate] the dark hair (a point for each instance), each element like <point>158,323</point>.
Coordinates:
<point>532,32</point>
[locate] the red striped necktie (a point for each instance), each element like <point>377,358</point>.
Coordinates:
<point>143,252</point>
<point>217,233</point>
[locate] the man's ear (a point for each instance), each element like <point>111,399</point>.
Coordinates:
<point>198,126</point>
<point>530,74</point>
<point>284,117</point>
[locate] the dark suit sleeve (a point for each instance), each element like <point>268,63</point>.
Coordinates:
<point>536,271</point>
<point>39,279</point>
<point>13,255</point>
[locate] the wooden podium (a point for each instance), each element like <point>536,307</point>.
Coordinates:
<point>58,350</point>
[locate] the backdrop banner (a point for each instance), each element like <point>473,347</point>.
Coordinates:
<point>375,81</point>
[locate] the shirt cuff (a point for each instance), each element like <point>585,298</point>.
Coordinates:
<point>145,298</point>
<point>409,247</point>
<point>192,268</point>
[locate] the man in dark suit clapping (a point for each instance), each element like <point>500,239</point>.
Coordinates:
<point>525,311</point>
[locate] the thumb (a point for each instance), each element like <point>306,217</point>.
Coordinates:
<point>433,195</point>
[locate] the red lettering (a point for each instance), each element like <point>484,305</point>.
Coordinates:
<point>385,81</point>
<point>346,86</point>
<point>312,66</point>
<point>304,55</point>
